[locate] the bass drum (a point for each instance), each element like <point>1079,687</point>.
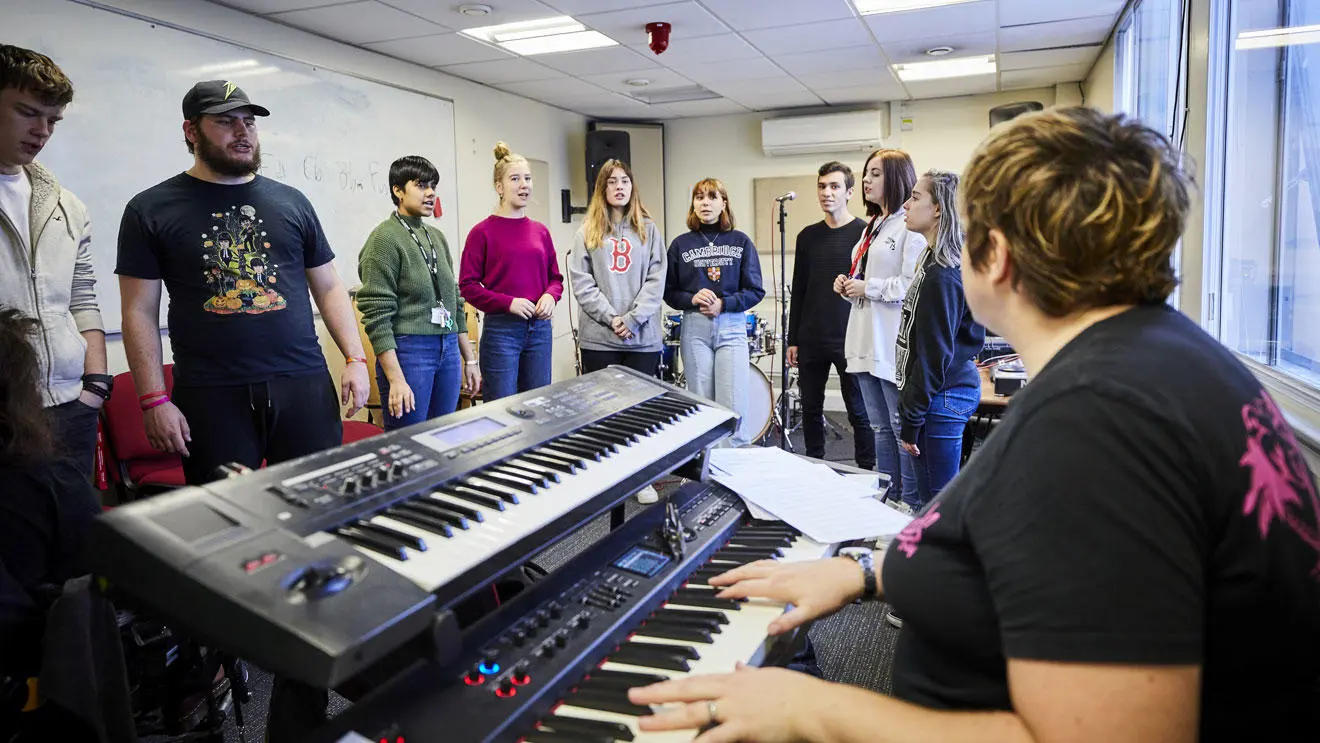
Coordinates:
<point>760,406</point>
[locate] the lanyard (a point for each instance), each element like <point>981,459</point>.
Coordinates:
<point>872,230</point>
<point>432,260</point>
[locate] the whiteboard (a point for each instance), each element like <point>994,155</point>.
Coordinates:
<point>330,135</point>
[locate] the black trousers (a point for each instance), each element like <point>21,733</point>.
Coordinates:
<point>273,421</point>
<point>646,362</point>
<point>75,432</point>
<point>814,364</point>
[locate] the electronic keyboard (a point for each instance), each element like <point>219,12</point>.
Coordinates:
<point>555,663</point>
<point>317,568</point>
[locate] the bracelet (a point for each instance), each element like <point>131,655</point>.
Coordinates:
<point>97,390</point>
<point>473,362</point>
<point>354,359</point>
<point>149,395</point>
<point>156,403</point>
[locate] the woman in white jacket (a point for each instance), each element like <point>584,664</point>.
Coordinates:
<point>883,265</point>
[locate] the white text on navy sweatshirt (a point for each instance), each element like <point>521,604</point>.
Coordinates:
<point>724,262</point>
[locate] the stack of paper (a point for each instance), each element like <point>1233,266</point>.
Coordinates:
<point>811,497</point>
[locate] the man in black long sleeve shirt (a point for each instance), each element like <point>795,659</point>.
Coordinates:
<point>818,318</point>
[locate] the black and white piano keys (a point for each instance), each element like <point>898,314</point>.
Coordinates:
<point>440,534</point>
<point>692,633</point>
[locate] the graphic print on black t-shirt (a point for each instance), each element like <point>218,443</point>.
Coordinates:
<point>1281,486</point>
<point>237,265</point>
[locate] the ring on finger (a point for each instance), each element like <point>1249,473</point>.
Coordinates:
<point>713,711</point>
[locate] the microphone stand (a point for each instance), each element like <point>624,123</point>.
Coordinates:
<point>783,323</point>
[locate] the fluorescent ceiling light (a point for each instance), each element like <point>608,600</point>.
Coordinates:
<point>1294,36</point>
<point>871,7</point>
<point>675,95</point>
<point>541,36</point>
<point>961,67</point>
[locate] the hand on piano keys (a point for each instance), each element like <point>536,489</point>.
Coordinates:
<point>815,589</point>
<point>694,635</point>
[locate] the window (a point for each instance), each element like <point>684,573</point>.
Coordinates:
<point>1262,213</point>
<point>1148,53</point>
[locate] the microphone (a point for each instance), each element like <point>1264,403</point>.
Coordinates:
<point>786,197</point>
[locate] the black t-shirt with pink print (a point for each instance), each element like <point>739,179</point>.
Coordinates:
<point>1143,501</point>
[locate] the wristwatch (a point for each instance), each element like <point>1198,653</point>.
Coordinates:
<point>863,556</point>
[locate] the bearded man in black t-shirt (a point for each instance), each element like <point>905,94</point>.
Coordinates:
<point>1133,555</point>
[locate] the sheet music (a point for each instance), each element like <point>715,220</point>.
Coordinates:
<point>811,497</point>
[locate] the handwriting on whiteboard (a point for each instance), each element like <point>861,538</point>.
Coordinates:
<point>335,174</point>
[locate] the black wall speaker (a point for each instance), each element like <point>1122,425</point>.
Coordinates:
<point>1008,111</point>
<point>602,145</point>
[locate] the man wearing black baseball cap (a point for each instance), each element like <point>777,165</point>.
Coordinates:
<point>250,381</point>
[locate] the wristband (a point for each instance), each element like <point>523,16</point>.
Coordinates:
<point>354,359</point>
<point>97,390</point>
<point>473,362</point>
<point>149,395</point>
<point>156,403</point>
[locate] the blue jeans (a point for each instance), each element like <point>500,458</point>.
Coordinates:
<point>881,398</point>
<point>716,363</point>
<point>430,366</point>
<point>941,441</point>
<point>515,355</point>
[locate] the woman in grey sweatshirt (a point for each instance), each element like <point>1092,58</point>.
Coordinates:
<point>617,269</point>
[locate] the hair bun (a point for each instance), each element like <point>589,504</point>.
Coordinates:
<point>502,151</point>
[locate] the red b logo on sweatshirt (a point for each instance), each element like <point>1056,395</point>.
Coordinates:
<point>621,255</point>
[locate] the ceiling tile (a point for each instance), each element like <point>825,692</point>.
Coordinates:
<point>659,77</point>
<point>1048,58</point>
<point>880,78</point>
<point>589,61</point>
<point>576,8</point>
<point>1042,76</point>
<point>862,94</point>
<point>701,51</point>
<point>503,11</point>
<point>1080,31</point>
<point>810,37</point>
<point>516,70</point>
<point>772,101</point>
<point>567,88</point>
<point>735,88</point>
<point>734,69</point>
<point>964,45</point>
<point>851,58</point>
<point>1018,12</point>
<point>964,18</point>
<point>442,49</point>
<point>715,107</point>
<point>689,21</point>
<point>952,86</point>
<point>263,7</point>
<point>745,15</point>
<point>359,22</point>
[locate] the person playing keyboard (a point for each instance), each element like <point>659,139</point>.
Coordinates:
<point>1133,556</point>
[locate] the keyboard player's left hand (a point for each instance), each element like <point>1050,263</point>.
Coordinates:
<point>815,589</point>
<point>769,705</point>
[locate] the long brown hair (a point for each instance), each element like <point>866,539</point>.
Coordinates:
<point>900,176</point>
<point>25,434</point>
<point>596,223</point>
<point>710,187</point>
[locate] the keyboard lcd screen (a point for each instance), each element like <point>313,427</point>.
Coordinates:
<point>642,561</point>
<point>453,436</point>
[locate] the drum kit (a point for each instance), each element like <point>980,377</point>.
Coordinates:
<point>760,343</point>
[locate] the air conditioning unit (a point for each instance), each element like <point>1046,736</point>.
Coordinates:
<point>852,131</point>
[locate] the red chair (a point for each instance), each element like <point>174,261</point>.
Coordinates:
<point>139,469</point>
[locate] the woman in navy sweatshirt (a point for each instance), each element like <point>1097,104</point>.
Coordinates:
<point>938,385</point>
<point>714,276</point>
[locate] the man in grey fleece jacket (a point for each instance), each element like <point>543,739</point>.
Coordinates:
<point>619,285</point>
<point>45,253</point>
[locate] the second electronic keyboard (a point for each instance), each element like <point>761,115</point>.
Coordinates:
<point>555,663</point>
<point>316,568</point>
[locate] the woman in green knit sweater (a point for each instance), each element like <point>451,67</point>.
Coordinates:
<point>411,307</point>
